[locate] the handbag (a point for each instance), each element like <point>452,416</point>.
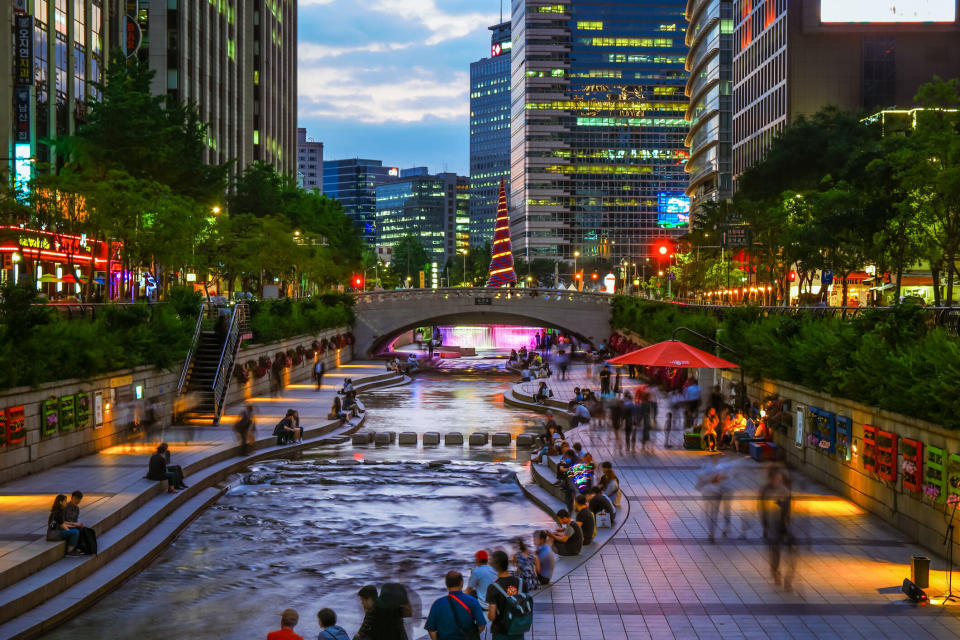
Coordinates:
<point>604,520</point>
<point>469,633</point>
<point>53,535</point>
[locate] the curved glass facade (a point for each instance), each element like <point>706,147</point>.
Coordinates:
<point>710,42</point>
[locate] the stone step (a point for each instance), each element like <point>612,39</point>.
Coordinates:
<point>407,437</point>
<point>385,437</point>
<point>431,439</point>
<point>107,577</point>
<point>453,438</point>
<point>478,439</point>
<point>501,439</point>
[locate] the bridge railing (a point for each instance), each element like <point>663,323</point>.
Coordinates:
<point>480,293</point>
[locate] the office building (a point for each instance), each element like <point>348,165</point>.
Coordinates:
<point>353,182</point>
<point>489,133</point>
<point>793,57</point>
<point>710,40</point>
<point>309,161</point>
<point>237,62</point>
<point>434,208</point>
<point>58,52</point>
<point>597,129</point>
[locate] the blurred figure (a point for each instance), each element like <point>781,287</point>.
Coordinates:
<point>246,429</point>
<point>775,504</point>
<point>288,620</point>
<point>714,484</point>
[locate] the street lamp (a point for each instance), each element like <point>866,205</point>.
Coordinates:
<point>576,254</point>
<point>465,252</point>
<point>215,210</point>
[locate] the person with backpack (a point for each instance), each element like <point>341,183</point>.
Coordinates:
<point>329,629</point>
<point>509,608</point>
<point>455,616</point>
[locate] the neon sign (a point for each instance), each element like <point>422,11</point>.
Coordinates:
<point>499,48</point>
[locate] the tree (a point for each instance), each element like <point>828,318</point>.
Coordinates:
<point>409,258</point>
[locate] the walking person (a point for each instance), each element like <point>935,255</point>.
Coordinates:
<point>481,578</point>
<point>563,361</point>
<point>318,371</point>
<point>590,357</point>
<point>246,429</point>
<point>455,616</point>
<point>605,380</point>
<point>528,566</point>
<point>667,428</point>
<point>631,422</point>
<point>775,503</point>
<point>714,483</point>
<point>645,409</point>
<point>276,378</point>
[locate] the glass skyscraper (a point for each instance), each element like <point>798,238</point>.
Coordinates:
<point>435,208</point>
<point>354,183</point>
<point>597,129</point>
<point>489,133</point>
<point>710,37</point>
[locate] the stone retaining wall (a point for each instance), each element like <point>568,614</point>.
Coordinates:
<point>117,392</point>
<point>920,517</point>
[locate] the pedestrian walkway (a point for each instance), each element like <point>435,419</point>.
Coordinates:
<point>660,578</point>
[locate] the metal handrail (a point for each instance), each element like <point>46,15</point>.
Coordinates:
<point>193,346</point>
<point>227,356</point>
<point>477,292</point>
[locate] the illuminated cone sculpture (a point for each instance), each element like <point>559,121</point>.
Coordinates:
<point>501,258</point>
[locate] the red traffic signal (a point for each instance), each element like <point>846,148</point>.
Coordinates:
<point>663,249</point>
<point>793,276</point>
<point>594,276</point>
<point>358,282</point>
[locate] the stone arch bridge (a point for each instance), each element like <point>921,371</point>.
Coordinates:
<point>382,315</point>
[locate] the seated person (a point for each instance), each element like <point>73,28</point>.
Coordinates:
<point>598,502</point>
<point>581,414</point>
<point>177,470</point>
<point>568,538</point>
<point>88,538</point>
<point>727,429</point>
<point>549,442</point>
<point>544,371</point>
<point>412,361</point>
<point>709,436</point>
<point>158,470</point>
<point>513,355</point>
<point>577,397</point>
<point>336,410</point>
<point>347,387</point>
<point>525,374</point>
<point>745,436</point>
<point>58,528</point>
<point>288,430</point>
<point>543,392</point>
<point>552,423</point>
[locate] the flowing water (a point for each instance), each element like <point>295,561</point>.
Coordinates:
<point>313,530</point>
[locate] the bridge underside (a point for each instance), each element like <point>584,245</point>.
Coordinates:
<point>378,324</point>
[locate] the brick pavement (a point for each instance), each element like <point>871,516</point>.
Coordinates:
<point>659,578</point>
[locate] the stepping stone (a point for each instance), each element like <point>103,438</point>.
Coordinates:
<point>363,437</point>
<point>478,439</point>
<point>431,438</point>
<point>501,439</point>
<point>436,464</point>
<point>385,437</point>
<point>408,437</point>
<point>339,439</point>
<point>453,437</point>
<point>526,440</point>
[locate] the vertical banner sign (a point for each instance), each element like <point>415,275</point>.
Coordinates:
<point>131,35</point>
<point>21,114</point>
<point>798,432</point>
<point>16,425</point>
<point>98,409</point>
<point>23,51</point>
<point>3,427</point>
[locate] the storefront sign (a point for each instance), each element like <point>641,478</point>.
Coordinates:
<point>798,431</point>
<point>483,301</point>
<point>131,36</point>
<point>23,50</point>
<point>16,425</point>
<point>21,114</point>
<point>121,381</point>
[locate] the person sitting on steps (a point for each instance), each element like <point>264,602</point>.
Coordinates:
<point>288,429</point>
<point>158,471</point>
<point>542,394</point>
<point>60,529</point>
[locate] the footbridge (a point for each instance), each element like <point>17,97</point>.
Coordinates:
<point>382,315</point>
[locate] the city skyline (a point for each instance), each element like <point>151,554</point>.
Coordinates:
<point>378,80</point>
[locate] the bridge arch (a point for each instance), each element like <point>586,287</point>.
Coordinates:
<point>381,315</point>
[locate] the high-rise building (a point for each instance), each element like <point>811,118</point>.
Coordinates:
<point>793,57</point>
<point>309,161</point>
<point>489,132</point>
<point>353,182</point>
<point>434,208</point>
<point>710,39</point>
<point>597,129</point>
<point>237,62</point>
<point>58,53</point>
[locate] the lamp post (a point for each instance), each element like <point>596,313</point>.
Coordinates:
<point>464,252</point>
<point>576,254</point>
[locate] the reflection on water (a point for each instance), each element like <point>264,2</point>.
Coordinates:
<point>322,526</point>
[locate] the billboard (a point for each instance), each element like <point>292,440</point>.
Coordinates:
<point>889,11</point>
<point>673,210</point>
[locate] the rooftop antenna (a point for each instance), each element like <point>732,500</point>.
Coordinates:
<point>501,11</point>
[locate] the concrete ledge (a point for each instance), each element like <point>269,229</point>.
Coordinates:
<point>431,438</point>
<point>478,439</point>
<point>407,437</point>
<point>453,438</point>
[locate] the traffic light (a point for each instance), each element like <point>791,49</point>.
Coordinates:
<point>662,249</point>
<point>594,275</point>
<point>793,276</point>
<point>358,281</point>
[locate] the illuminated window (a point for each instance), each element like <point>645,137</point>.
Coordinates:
<point>590,26</point>
<point>557,73</point>
<point>256,136</point>
<point>231,49</point>
<point>551,8</point>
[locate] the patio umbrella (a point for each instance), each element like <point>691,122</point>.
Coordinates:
<point>69,278</point>
<point>48,277</point>
<point>672,353</point>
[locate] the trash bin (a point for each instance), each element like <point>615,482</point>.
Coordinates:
<point>920,571</point>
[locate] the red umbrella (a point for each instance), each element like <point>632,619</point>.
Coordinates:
<point>673,353</point>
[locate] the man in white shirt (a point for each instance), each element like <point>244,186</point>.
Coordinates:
<point>482,576</point>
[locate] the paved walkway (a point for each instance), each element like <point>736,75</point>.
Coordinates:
<point>659,578</point>
<point>111,473</point>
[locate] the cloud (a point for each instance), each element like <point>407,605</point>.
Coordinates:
<point>313,3</point>
<point>310,51</point>
<point>443,26</point>
<point>378,95</point>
